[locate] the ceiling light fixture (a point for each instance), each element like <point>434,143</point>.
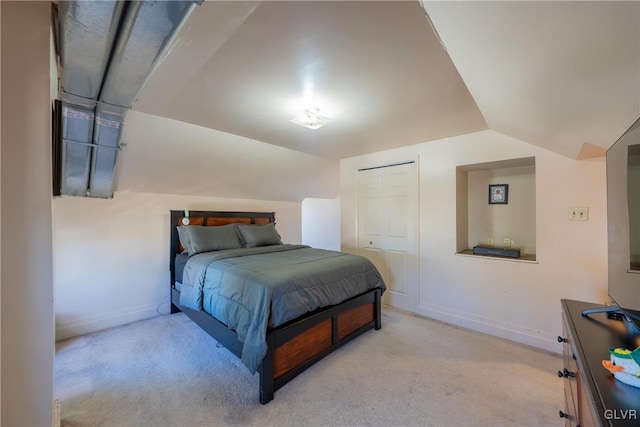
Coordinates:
<point>310,118</point>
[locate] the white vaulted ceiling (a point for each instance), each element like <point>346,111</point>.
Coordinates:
<point>554,74</point>
<point>181,158</point>
<point>561,75</point>
<point>375,68</point>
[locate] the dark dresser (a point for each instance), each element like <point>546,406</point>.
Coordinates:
<point>593,397</point>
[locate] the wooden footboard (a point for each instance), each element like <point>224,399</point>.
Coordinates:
<point>297,345</point>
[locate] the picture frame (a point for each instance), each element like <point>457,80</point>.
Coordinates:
<point>498,194</point>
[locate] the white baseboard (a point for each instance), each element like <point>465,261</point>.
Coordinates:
<point>56,413</point>
<point>98,322</point>
<point>530,337</point>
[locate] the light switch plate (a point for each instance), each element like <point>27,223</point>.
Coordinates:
<point>578,213</point>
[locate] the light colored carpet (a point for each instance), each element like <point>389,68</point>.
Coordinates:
<point>166,371</point>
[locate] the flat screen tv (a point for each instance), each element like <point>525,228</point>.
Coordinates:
<point>623,227</point>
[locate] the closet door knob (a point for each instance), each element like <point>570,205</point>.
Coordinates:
<point>560,339</point>
<point>563,415</point>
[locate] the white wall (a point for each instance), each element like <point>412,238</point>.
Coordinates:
<point>27,276</point>
<point>321,223</point>
<point>112,256</point>
<point>514,300</point>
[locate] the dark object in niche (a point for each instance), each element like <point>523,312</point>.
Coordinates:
<point>496,251</point>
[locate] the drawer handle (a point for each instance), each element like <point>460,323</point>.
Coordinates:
<point>566,373</point>
<point>560,339</point>
<point>563,415</point>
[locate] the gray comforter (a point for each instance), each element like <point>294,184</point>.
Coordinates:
<point>250,289</point>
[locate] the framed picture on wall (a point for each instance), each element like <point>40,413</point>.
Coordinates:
<point>498,194</point>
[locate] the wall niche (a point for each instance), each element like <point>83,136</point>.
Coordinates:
<point>508,225</point>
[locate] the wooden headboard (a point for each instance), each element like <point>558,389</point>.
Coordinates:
<point>209,218</point>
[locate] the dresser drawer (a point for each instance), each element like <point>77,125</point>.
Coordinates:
<point>570,412</point>
<point>569,369</point>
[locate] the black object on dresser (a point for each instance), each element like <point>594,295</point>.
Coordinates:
<point>593,397</point>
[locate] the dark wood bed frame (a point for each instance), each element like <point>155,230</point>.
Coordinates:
<point>294,346</point>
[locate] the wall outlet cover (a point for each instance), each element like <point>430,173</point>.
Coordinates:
<point>577,213</point>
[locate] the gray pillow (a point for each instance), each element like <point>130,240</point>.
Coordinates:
<point>183,235</point>
<point>259,235</point>
<point>213,238</point>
